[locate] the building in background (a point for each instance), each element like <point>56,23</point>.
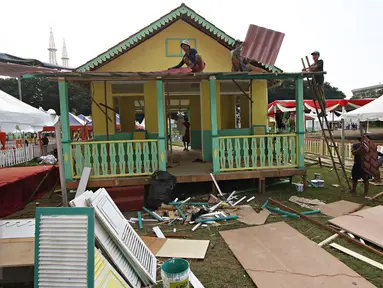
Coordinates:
<point>368,92</point>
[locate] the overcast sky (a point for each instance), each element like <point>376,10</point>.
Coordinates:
<point>348,33</point>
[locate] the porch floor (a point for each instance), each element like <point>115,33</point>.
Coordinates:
<point>182,164</point>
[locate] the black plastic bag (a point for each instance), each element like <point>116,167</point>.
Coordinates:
<point>161,190</point>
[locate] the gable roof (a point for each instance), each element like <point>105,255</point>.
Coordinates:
<point>182,12</point>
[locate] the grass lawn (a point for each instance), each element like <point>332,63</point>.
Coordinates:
<point>221,269</point>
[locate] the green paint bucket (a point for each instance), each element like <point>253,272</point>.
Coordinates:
<point>175,273</point>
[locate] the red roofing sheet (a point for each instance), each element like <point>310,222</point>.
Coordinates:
<point>262,44</point>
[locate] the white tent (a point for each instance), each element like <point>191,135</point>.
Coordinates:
<point>372,111</point>
<point>16,115</point>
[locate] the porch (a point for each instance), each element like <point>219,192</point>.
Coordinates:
<point>226,150</point>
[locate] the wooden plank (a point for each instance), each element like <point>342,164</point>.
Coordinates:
<point>180,248</point>
<point>154,244</point>
<point>276,255</point>
<point>357,256</point>
<point>338,208</point>
<point>246,214</point>
<point>366,224</point>
<point>17,252</point>
<point>83,181</point>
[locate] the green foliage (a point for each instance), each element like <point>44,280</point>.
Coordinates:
<point>44,93</point>
<point>287,91</point>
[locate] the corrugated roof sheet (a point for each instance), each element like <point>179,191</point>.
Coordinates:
<point>262,45</point>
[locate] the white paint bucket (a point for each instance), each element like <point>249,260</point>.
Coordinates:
<point>175,273</point>
<point>299,187</point>
<point>318,183</point>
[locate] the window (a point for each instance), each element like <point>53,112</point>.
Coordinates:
<point>173,46</point>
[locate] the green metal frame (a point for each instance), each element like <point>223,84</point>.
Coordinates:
<point>214,125</point>
<point>161,125</point>
<point>180,40</point>
<point>65,128</point>
<point>56,211</point>
<point>300,122</point>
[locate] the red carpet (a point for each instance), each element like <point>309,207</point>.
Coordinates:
<point>18,183</point>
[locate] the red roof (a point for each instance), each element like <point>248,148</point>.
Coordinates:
<point>262,45</point>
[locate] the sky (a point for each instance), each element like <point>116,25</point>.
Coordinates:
<point>347,33</point>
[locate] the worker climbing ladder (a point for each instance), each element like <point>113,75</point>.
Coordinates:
<point>319,100</point>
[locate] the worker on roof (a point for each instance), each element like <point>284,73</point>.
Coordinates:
<point>241,64</point>
<point>191,58</point>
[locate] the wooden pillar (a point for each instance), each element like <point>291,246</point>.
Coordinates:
<point>161,125</point>
<point>214,124</point>
<point>65,138</point>
<point>300,123</point>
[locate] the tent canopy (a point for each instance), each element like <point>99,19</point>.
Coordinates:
<point>372,111</point>
<point>17,114</point>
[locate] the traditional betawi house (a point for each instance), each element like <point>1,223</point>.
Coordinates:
<point>133,77</point>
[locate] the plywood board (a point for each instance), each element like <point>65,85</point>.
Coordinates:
<point>180,248</point>
<point>277,255</point>
<point>366,224</point>
<point>154,244</point>
<point>338,208</point>
<point>246,214</point>
<point>17,252</point>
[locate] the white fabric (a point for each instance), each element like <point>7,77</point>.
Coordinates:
<point>372,111</point>
<point>328,109</point>
<point>17,115</point>
<point>284,109</point>
<point>180,127</point>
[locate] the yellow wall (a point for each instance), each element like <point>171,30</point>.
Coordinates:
<point>227,112</point>
<point>259,106</point>
<point>151,54</point>
<point>206,118</point>
<point>150,102</point>
<point>98,117</point>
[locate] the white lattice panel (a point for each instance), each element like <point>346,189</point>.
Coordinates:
<point>109,246</point>
<point>138,254</point>
<point>63,251</point>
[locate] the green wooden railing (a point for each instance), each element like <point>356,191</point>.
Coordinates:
<point>115,158</point>
<point>257,152</point>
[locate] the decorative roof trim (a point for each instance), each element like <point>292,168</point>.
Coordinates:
<point>182,12</point>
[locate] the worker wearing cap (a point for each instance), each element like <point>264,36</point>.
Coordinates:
<point>191,58</point>
<point>317,66</point>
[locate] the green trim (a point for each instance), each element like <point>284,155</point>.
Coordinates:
<point>214,125</point>
<point>234,132</point>
<point>161,125</point>
<point>87,211</point>
<point>181,12</point>
<point>180,41</point>
<point>65,128</point>
<point>300,122</point>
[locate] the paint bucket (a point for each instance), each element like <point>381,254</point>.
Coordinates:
<point>318,183</point>
<point>175,273</point>
<point>299,187</point>
<point>317,176</point>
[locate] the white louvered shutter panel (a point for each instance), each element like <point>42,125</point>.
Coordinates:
<point>108,245</point>
<point>63,251</point>
<point>139,255</point>
<point>105,275</point>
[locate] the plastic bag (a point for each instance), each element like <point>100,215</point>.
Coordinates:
<point>162,189</point>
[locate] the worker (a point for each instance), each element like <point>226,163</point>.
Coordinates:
<point>240,63</point>
<point>191,58</point>
<point>317,66</point>
<point>357,172</point>
<point>377,178</point>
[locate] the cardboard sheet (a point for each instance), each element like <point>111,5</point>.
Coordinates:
<point>276,255</point>
<point>338,208</point>
<point>180,248</point>
<point>17,252</point>
<point>154,244</point>
<point>246,214</point>
<point>366,224</point>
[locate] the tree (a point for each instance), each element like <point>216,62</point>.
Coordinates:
<point>286,91</point>
<point>40,92</point>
